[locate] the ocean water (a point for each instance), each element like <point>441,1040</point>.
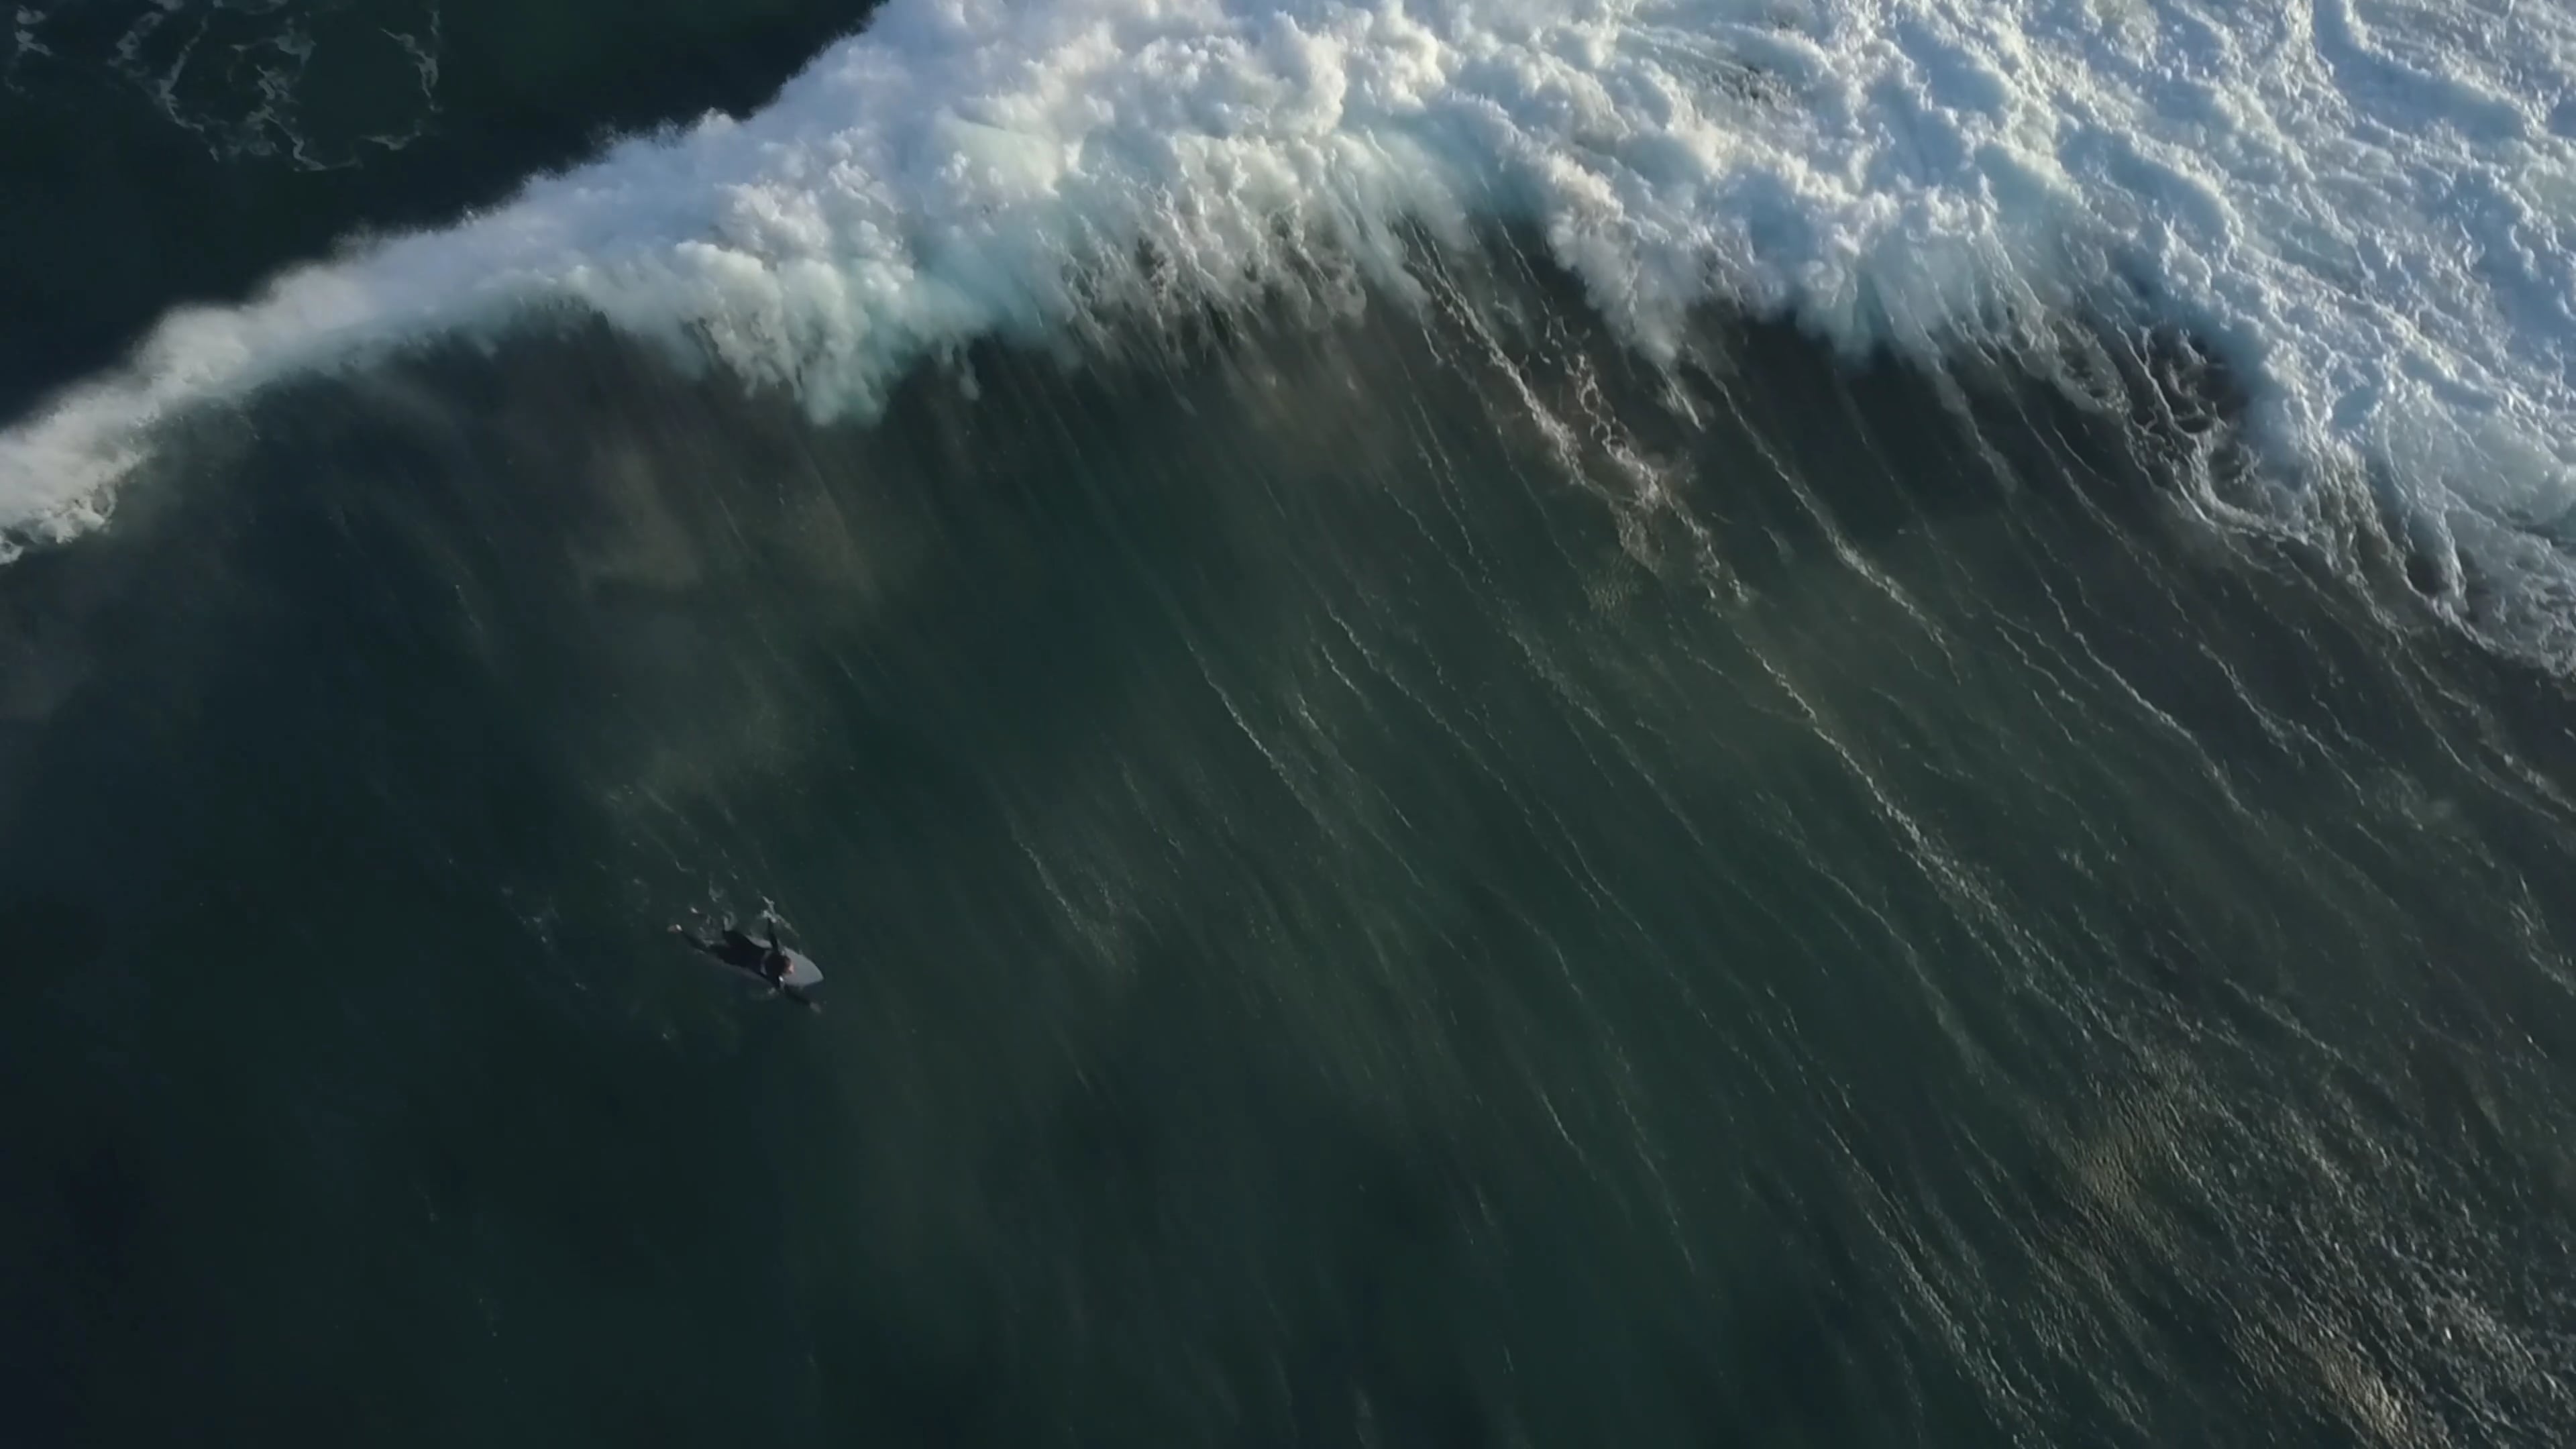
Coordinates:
<point>1652,722</point>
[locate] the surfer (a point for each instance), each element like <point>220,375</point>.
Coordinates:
<point>772,962</point>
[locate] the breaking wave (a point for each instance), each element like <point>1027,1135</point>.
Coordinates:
<point>2367,211</point>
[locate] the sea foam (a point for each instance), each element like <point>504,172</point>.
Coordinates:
<point>2370,208</point>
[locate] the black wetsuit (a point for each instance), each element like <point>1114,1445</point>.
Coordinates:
<point>745,954</point>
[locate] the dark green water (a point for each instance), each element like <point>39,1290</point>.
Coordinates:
<point>1353,919</point>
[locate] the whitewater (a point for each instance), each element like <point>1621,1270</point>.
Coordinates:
<point>2368,211</point>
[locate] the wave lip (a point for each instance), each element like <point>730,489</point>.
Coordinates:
<point>2370,207</point>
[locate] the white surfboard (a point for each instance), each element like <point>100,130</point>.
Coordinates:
<point>802,973</point>
<point>801,970</point>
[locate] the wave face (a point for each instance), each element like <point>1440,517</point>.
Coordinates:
<point>1406,882</point>
<point>2368,210</point>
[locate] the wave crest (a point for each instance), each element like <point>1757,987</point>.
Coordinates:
<point>2368,209</point>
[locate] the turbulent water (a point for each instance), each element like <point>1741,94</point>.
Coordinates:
<point>1647,722</point>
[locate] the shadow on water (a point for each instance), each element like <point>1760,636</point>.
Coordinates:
<point>1381,888</point>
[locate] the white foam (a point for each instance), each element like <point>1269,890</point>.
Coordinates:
<point>233,74</point>
<point>2371,203</point>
